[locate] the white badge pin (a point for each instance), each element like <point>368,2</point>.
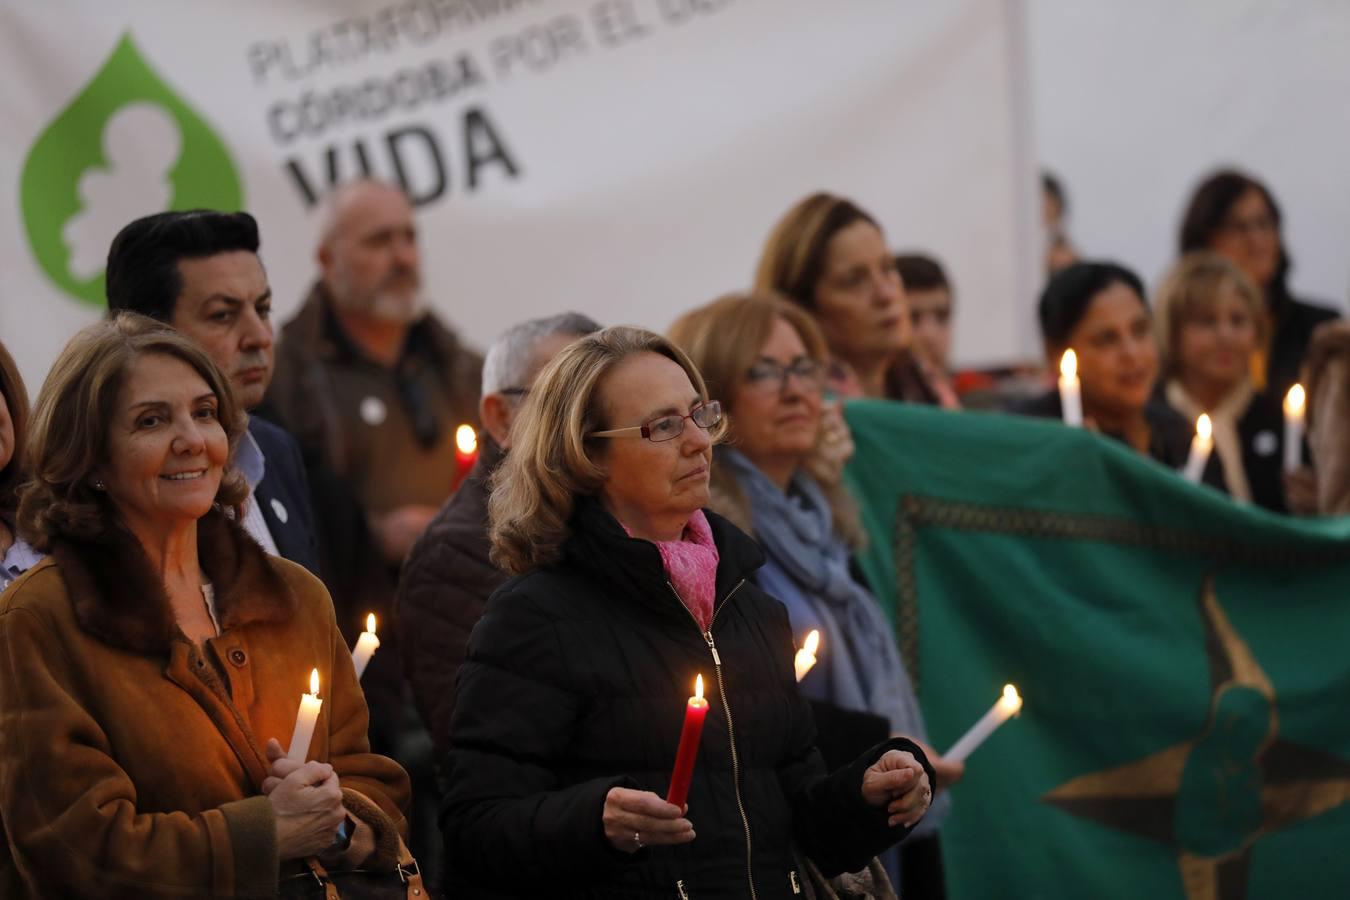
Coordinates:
<point>1265,443</point>
<point>373,411</point>
<point>280,510</point>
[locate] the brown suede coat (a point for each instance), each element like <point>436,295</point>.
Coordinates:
<point>131,758</point>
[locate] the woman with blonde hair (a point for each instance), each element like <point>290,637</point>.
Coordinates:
<point>153,659</point>
<point>1211,324</point>
<point>829,256</point>
<point>570,705</point>
<point>767,359</point>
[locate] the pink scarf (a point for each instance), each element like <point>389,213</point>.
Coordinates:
<point>691,566</point>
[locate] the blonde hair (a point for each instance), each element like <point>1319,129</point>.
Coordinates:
<point>792,263</point>
<point>68,436</point>
<point>724,339</point>
<point>1192,286</point>
<point>552,457</point>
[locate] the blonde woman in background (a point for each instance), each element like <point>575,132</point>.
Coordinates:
<point>1211,323</point>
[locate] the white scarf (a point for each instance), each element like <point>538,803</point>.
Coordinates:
<point>1225,418</point>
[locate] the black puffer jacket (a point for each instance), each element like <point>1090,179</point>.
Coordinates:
<point>576,683</point>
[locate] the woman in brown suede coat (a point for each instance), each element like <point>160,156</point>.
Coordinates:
<point>150,665</point>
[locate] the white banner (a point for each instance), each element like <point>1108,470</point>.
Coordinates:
<point>625,158</point>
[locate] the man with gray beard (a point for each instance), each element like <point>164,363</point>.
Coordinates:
<point>371,384</point>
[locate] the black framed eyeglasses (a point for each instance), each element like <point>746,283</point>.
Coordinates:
<point>769,373</point>
<point>666,428</point>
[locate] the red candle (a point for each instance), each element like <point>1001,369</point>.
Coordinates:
<point>466,452</point>
<point>694,714</point>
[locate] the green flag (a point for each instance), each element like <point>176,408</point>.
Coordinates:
<point>1184,661</point>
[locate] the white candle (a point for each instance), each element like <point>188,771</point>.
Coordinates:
<point>305,720</point>
<point>1201,446</point>
<point>366,645</point>
<point>806,657</point>
<point>1007,706</point>
<point>1295,408</point>
<point>1070,390</point>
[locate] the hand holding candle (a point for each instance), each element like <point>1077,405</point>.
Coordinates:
<point>1070,390</point>
<point>1007,706</point>
<point>694,714</point>
<point>806,657</point>
<point>366,645</point>
<point>1295,411</point>
<point>1201,446</point>
<point>305,720</point>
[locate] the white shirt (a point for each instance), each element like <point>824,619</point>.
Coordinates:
<point>249,459</point>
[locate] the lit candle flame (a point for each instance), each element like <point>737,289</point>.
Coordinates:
<point>698,687</point>
<point>370,623</point>
<point>1068,364</point>
<point>1294,400</point>
<point>805,658</point>
<point>314,682</point>
<point>1011,700</point>
<point>1010,693</point>
<point>466,439</point>
<point>1204,427</point>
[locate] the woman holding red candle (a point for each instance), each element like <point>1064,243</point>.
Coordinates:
<point>576,690</point>
<point>767,360</point>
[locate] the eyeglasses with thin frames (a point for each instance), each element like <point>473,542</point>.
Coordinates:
<point>666,428</point>
<point>769,374</point>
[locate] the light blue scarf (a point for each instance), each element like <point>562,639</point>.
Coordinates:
<point>859,665</point>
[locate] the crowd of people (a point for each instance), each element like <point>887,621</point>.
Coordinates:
<point>194,520</point>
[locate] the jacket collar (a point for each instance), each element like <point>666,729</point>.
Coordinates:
<point>118,597</point>
<point>599,545</point>
<point>315,329</point>
<point>490,456</point>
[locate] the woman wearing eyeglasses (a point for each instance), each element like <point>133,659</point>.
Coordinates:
<point>767,358</point>
<point>1235,215</point>
<point>570,705</point>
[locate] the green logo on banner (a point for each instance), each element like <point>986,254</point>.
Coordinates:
<point>127,146</point>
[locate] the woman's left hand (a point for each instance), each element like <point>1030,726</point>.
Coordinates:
<point>898,782</point>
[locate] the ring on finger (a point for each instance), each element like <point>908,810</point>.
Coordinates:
<point>637,839</point>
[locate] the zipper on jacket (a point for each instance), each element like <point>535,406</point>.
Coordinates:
<point>731,727</point>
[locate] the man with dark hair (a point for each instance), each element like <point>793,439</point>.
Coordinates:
<point>199,272</point>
